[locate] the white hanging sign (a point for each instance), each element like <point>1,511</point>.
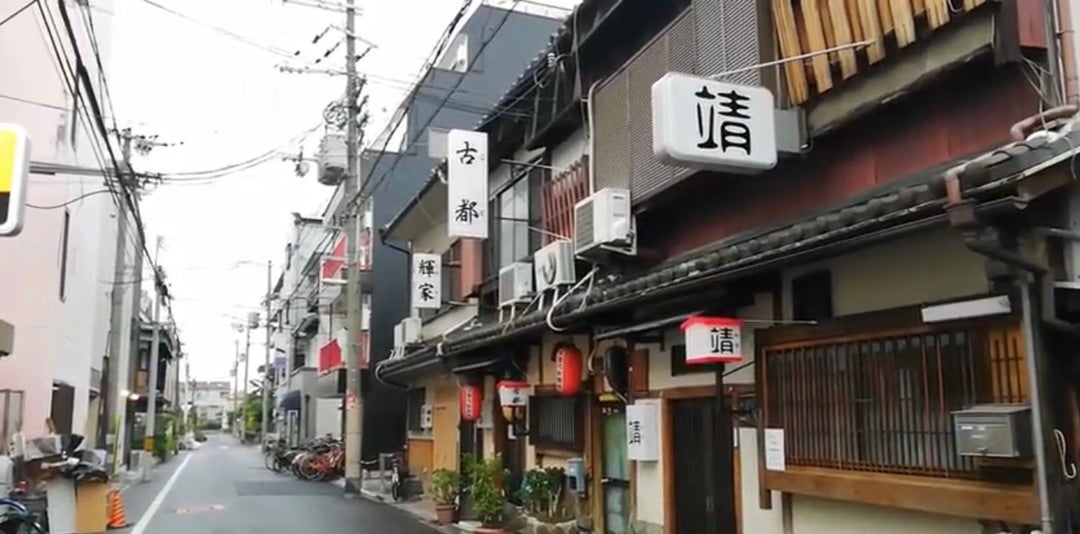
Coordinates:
<point>702,123</point>
<point>713,340</point>
<point>775,456</point>
<point>643,431</point>
<point>467,184</point>
<point>426,281</point>
<point>513,393</point>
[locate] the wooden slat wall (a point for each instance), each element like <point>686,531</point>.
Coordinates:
<point>808,26</point>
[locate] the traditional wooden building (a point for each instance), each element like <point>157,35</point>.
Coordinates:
<point>891,270</point>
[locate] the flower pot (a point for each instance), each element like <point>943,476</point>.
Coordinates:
<point>444,513</point>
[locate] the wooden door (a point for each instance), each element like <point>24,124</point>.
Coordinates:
<point>444,429</point>
<point>695,468</point>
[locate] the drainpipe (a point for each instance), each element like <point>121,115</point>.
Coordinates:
<point>1055,60</point>
<point>961,212</point>
<point>591,116</point>
<point>1069,59</point>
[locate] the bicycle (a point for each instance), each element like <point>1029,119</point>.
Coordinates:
<point>17,519</point>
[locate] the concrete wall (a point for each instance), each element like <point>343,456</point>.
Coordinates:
<point>56,338</point>
<point>928,267</point>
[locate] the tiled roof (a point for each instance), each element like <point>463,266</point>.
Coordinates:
<point>919,197</point>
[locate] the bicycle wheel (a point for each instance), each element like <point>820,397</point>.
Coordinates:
<point>309,469</point>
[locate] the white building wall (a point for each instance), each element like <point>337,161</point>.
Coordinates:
<point>55,338</point>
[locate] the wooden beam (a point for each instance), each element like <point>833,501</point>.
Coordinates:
<point>975,500</point>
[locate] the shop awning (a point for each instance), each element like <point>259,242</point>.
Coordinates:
<point>290,401</point>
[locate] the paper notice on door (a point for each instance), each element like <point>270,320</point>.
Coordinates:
<point>774,449</point>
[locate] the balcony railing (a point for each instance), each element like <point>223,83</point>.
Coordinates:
<point>807,26</point>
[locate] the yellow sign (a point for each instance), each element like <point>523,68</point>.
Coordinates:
<point>14,171</point>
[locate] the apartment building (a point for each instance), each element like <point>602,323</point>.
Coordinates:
<point>57,275</point>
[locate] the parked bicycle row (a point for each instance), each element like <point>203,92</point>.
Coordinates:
<point>317,460</point>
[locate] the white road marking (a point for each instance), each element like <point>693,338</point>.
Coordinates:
<point>144,521</point>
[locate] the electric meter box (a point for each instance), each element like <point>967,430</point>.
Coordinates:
<point>993,431</point>
<point>575,474</point>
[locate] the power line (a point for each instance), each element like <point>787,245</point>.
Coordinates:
<point>219,29</point>
<point>367,193</point>
<point>18,12</point>
<point>33,102</point>
<point>69,202</point>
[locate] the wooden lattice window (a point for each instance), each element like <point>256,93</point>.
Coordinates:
<point>881,401</point>
<point>558,197</point>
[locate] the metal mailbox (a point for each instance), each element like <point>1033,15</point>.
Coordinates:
<point>993,431</point>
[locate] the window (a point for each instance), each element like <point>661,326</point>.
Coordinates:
<point>811,296</point>
<point>514,223</point>
<point>64,239</point>
<point>881,401</point>
<point>456,56</point>
<point>679,366</point>
<point>557,422</point>
<point>414,406</point>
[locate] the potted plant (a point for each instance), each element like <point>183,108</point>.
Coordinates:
<point>488,501</point>
<point>542,495</point>
<point>444,489</point>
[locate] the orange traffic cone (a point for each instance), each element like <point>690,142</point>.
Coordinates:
<point>117,518</point>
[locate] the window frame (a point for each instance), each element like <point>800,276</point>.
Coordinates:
<point>541,438</point>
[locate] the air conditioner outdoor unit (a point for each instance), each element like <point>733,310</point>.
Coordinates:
<point>331,157</point>
<point>407,332</point>
<point>515,283</point>
<point>553,265</point>
<point>604,223</point>
<point>427,416</point>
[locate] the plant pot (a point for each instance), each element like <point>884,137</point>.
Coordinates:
<point>444,513</point>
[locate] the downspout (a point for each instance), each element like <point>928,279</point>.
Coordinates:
<point>591,129</point>
<point>1055,60</point>
<point>962,216</point>
<point>1069,59</point>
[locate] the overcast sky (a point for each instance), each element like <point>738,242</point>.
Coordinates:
<point>182,77</point>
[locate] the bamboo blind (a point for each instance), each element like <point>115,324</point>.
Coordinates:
<point>808,26</point>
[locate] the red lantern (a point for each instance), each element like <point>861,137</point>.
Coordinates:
<point>568,362</point>
<point>471,399</point>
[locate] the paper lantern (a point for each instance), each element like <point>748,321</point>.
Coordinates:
<point>568,362</point>
<point>513,397</point>
<point>471,402</point>
<point>713,340</point>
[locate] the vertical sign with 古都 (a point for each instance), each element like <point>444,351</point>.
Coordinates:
<point>643,430</point>
<point>699,122</point>
<point>14,171</point>
<point>426,281</point>
<point>467,184</point>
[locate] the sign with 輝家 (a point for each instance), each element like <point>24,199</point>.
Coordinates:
<point>643,430</point>
<point>701,123</point>
<point>14,174</point>
<point>713,340</point>
<point>467,184</point>
<point>426,281</point>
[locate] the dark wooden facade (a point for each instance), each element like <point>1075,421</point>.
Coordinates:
<point>967,113</point>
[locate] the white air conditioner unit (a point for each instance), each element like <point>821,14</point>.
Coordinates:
<point>553,265</point>
<point>427,416</point>
<point>515,283</point>
<point>604,223</point>
<point>331,157</point>
<point>407,332</point>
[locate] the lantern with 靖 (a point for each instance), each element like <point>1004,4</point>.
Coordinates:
<point>568,362</point>
<point>513,397</point>
<point>471,398</point>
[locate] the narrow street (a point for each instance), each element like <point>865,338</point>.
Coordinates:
<point>224,488</point>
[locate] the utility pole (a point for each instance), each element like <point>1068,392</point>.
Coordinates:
<point>155,353</point>
<point>354,414</point>
<point>112,389</point>
<point>266,364</point>
<point>253,321</point>
<point>236,386</point>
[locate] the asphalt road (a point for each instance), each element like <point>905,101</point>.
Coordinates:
<point>223,488</point>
